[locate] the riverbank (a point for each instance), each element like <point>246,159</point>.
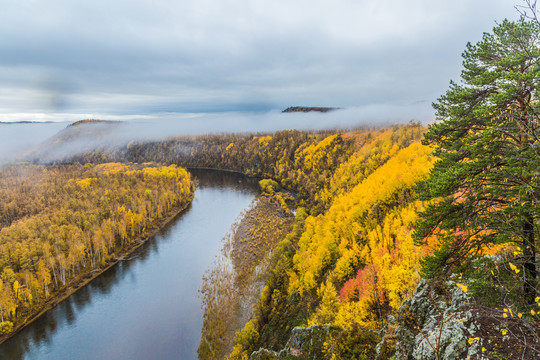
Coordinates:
<point>82,280</point>
<point>234,283</point>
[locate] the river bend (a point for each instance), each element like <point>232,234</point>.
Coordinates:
<point>147,306</point>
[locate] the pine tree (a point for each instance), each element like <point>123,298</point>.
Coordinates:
<point>486,181</point>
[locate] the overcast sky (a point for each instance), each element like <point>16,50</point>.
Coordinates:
<point>112,59</point>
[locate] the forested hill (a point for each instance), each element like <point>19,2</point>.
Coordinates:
<point>299,160</point>
<point>355,191</point>
<point>77,138</point>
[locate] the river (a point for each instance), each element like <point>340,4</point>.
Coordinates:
<point>146,307</point>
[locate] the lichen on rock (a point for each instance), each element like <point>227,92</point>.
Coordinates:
<point>436,323</point>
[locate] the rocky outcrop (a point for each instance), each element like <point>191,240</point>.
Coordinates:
<point>318,342</point>
<point>443,321</point>
<point>264,354</point>
<point>304,343</point>
<point>436,324</point>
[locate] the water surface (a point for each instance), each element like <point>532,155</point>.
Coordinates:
<point>146,307</point>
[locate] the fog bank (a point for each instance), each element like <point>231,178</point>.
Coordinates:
<point>17,139</point>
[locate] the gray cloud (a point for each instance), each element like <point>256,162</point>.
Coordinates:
<point>144,57</point>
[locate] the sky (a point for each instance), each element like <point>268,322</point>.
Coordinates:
<point>66,60</point>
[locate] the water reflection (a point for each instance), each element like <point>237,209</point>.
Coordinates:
<point>146,306</point>
<point>220,179</point>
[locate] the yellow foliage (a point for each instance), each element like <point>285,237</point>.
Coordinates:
<point>351,313</point>
<point>340,235</point>
<point>85,183</point>
<point>370,225</point>
<point>264,140</point>
<point>87,214</point>
<point>111,168</point>
<point>514,268</point>
<point>238,353</point>
<point>314,154</point>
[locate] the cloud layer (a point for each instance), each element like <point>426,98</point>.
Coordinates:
<point>16,140</point>
<point>142,57</point>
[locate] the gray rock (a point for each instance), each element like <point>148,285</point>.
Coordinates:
<point>264,354</point>
<point>431,322</point>
<point>308,342</point>
<point>304,343</point>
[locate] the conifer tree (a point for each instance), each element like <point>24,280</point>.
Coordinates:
<point>486,137</point>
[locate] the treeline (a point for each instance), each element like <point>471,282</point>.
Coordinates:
<point>309,163</point>
<point>60,222</point>
<point>299,160</point>
<point>291,109</point>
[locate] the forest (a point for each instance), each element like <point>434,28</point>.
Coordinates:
<point>62,223</point>
<point>457,214</point>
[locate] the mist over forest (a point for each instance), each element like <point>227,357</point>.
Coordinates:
<point>16,139</point>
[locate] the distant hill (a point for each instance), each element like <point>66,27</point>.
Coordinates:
<point>308,109</point>
<point>79,137</point>
<point>93,121</point>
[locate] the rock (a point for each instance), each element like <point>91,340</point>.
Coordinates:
<point>264,354</point>
<point>309,340</point>
<point>304,343</point>
<point>436,320</point>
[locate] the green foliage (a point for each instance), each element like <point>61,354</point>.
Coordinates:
<point>268,186</point>
<point>492,278</point>
<point>247,337</point>
<point>487,140</point>
<point>485,281</point>
<point>329,307</point>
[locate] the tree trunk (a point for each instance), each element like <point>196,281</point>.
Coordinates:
<point>529,255</point>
